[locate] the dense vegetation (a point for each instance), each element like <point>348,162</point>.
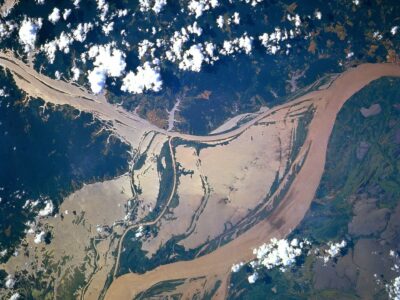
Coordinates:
<point>362,164</point>
<point>48,152</point>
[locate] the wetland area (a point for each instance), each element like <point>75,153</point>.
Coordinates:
<point>165,234</point>
<point>199,149</point>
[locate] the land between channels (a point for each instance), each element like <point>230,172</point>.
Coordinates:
<point>282,220</point>
<point>292,208</point>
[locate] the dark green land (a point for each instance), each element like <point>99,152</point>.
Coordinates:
<point>357,200</point>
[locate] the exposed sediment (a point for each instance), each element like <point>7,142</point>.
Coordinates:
<point>282,219</point>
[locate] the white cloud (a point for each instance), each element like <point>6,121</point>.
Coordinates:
<point>39,237</point>
<point>107,28</point>
<point>81,31</point>
<point>394,30</point>
<point>3,93</point>
<point>102,6</point>
<point>50,49</point>
<point>241,44</point>
<point>195,29</point>
<point>28,31</point>
<point>139,232</point>
<point>111,59</point>
<point>271,48</point>
<point>177,41</point>
<point>278,253</point>
<point>155,5</point>
<point>6,28</point>
<point>333,250</point>
<point>108,62</point>
<point>122,13</point>
<point>145,5</point>
<point>61,43</point>
<point>236,267</point>
<point>158,5</point>
<point>227,48</point>
<point>97,80</point>
<point>272,41</point>
<point>93,51</point>
<point>75,73</point>
<point>15,296</point>
<point>64,41</point>
<point>10,282</point>
<point>282,254</point>
<point>253,278</point>
<point>147,77</point>
<point>210,49</point>
<point>143,47</point>
<point>394,289</point>
<point>377,35</point>
<point>192,58</point>
<point>236,18</point>
<point>54,16</point>
<point>252,2</point>
<point>66,13</point>
<point>220,21</point>
<point>245,43</point>
<point>297,20</point>
<point>197,7</point>
<point>47,210</point>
